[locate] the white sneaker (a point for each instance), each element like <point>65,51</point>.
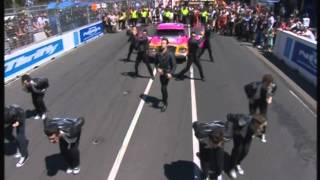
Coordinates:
<point>263,138</point>
<point>37,117</point>
<point>240,170</point>
<point>17,155</point>
<point>233,174</point>
<point>69,171</point>
<point>21,161</point>
<point>76,170</point>
<point>219,177</point>
<point>43,116</point>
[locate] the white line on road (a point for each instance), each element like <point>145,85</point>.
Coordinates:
<point>302,103</point>
<point>116,165</point>
<point>195,142</point>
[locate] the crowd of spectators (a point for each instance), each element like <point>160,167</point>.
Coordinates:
<point>258,24</point>
<point>22,29</point>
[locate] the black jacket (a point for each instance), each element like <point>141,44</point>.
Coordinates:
<point>142,44</point>
<point>70,128</point>
<point>166,61</point>
<point>239,125</point>
<point>193,46</point>
<point>255,91</point>
<point>13,114</point>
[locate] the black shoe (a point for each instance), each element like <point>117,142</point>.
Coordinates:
<point>152,77</point>
<point>212,60</point>
<point>203,79</point>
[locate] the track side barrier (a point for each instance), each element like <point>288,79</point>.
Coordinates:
<point>298,53</point>
<point>23,60</point>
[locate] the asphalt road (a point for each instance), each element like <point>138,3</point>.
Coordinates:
<point>92,81</point>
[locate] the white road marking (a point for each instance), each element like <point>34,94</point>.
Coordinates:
<point>294,95</point>
<point>116,165</point>
<point>195,142</point>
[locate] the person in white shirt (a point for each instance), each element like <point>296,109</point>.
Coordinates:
<point>271,20</point>
<point>306,20</point>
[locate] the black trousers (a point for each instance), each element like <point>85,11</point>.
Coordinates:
<point>70,152</point>
<point>207,46</point>
<point>192,58</point>
<point>122,24</point>
<point>144,21</point>
<point>240,149</point>
<point>213,160</point>
<point>262,107</point>
<point>134,22</point>
<point>130,51</point>
<point>164,80</point>
<point>143,56</point>
<point>20,139</point>
<point>37,100</point>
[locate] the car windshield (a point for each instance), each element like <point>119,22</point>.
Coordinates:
<point>170,32</point>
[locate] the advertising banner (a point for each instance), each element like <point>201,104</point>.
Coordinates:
<point>22,61</point>
<point>306,57</point>
<point>91,32</point>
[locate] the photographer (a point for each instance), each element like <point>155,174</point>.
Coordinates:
<point>260,95</point>
<point>15,118</point>
<point>37,87</point>
<point>241,128</point>
<point>66,132</point>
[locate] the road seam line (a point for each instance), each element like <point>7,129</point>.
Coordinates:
<point>116,165</point>
<point>297,97</point>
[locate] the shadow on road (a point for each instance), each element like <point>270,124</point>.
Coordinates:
<point>180,170</point>
<point>125,60</point>
<point>133,75</point>
<point>153,101</point>
<point>10,148</point>
<point>54,163</point>
<point>30,113</point>
<point>186,77</point>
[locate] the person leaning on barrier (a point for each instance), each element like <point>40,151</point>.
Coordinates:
<point>37,87</point>
<point>242,127</point>
<point>166,66</point>
<point>66,132</point>
<point>14,117</point>
<point>260,95</point>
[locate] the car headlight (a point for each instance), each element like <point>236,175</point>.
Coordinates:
<point>153,49</point>
<point>182,50</point>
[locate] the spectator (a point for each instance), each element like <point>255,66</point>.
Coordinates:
<point>306,20</point>
<point>47,29</point>
<point>306,32</point>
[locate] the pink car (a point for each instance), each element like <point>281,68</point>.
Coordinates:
<point>177,36</point>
